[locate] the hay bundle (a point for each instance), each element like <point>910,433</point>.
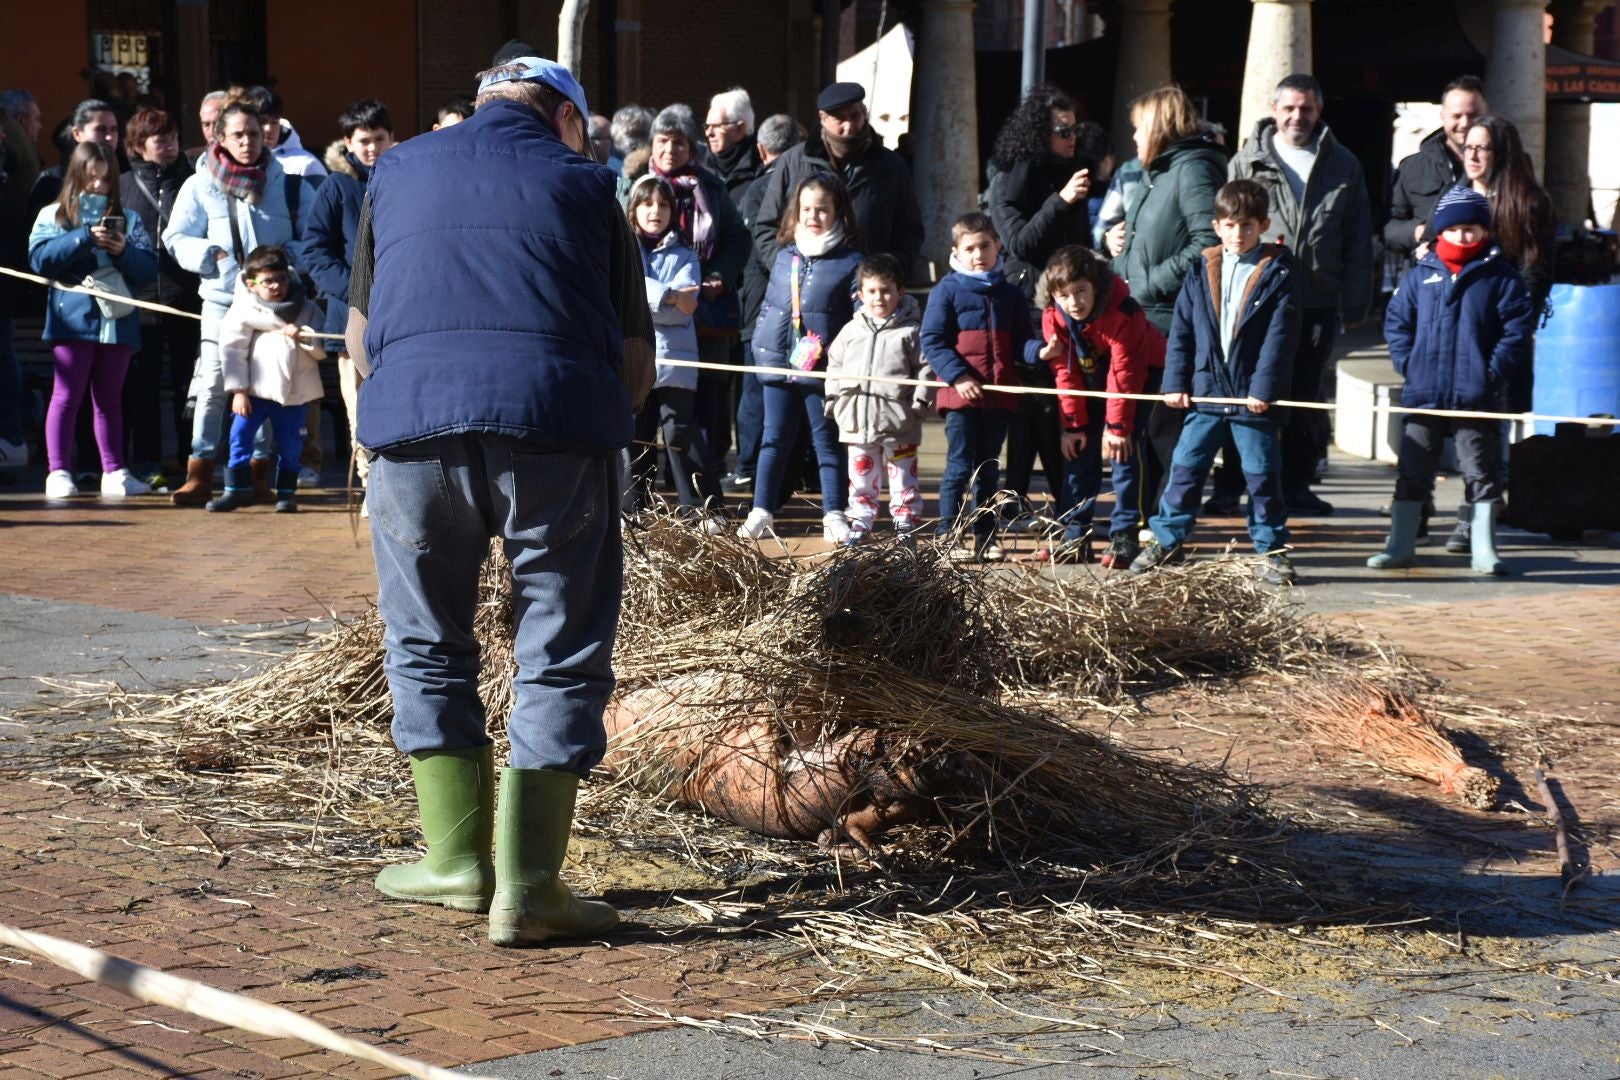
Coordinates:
<point>1081,636</point>
<point>1383,722</point>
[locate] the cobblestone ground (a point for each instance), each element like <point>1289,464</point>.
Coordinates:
<point>424,981</point>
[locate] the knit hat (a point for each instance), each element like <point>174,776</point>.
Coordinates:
<point>679,120</point>
<point>1462,205</point>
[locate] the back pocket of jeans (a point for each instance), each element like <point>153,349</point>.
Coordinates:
<point>410,499</point>
<point>557,497</point>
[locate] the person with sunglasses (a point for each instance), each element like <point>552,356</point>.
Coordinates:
<point>1038,200</point>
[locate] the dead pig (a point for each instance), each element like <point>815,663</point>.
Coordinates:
<point>758,775</point>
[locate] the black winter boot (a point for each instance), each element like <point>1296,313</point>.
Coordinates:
<point>286,491</point>
<point>238,489</point>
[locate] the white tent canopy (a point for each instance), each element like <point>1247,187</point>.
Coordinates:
<point>884,70</point>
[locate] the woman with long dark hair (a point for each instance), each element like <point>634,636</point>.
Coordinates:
<point>85,234</point>
<point>1525,228</point>
<point>1038,201</point>
<point>1522,219</point>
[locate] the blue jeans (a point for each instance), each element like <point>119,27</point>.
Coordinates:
<point>973,439</point>
<point>1082,480</point>
<point>11,387</point>
<point>286,421</point>
<point>208,386</point>
<point>1259,443</point>
<point>750,424</point>
<point>435,504</point>
<point>787,405</point>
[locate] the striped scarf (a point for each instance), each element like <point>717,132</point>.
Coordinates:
<point>245,182</point>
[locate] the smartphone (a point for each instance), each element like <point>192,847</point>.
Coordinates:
<point>113,223</point>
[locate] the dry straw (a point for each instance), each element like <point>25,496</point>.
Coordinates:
<point>979,683</point>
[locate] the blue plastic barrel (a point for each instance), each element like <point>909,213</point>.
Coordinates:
<point>1578,354</point>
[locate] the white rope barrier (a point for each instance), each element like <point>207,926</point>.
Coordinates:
<point>156,987</point>
<point>1324,406</point>
<point>148,305</point>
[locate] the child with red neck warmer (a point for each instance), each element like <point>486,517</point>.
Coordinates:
<point>1459,326</point>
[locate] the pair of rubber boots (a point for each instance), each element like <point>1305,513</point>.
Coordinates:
<point>248,484</point>
<point>521,887</point>
<point>1401,549</point>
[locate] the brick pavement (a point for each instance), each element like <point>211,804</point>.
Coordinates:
<point>92,872</point>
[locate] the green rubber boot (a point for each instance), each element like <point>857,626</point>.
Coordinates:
<point>1482,540</point>
<point>455,791</point>
<point>531,902</point>
<point>1401,549</point>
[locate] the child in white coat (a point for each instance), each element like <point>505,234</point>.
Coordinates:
<point>270,373</point>
<point>880,424</point>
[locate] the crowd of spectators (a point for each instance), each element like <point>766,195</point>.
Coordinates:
<point>780,230</point>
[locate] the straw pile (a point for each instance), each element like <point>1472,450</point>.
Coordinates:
<point>1384,722</point>
<point>941,705</point>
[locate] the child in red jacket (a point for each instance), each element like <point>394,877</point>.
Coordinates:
<point>1098,338</point>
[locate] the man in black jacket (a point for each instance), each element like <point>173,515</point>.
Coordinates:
<point>880,190</point>
<point>729,130</point>
<point>1423,177</point>
<point>1319,208</point>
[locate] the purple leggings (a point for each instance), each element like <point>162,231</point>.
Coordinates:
<point>101,368</point>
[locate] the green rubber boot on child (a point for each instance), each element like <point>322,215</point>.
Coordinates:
<point>1400,551</point>
<point>1482,540</point>
<point>531,902</point>
<point>455,793</point>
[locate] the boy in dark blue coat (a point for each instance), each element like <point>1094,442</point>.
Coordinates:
<point>1458,326</point>
<point>1233,336</point>
<point>334,220</point>
<point>976,332</point>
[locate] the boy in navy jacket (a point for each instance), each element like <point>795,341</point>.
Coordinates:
<point>976,331</point>
<point>334,221</point>
<point>1458,326</point>
<point>1233,336</point>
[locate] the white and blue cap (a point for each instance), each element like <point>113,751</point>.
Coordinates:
<point>539,69</point>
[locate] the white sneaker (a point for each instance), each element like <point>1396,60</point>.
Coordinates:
<point>757,524</point>
<point>13,455</point>
<point>118,483</point>
<point>308,477</point>
<point>714,525</point>
<point>835,527</point>
<point>60,485</point>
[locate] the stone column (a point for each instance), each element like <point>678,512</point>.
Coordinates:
<point>944,126</point>
<point>1144,60</point>
<point>1279,46</point>
<point>1569,123</point>
<point>1516,72</point>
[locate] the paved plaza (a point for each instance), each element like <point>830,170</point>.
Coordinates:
<point>148,596</point>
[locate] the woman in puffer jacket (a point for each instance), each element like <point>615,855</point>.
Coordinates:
<point>71,241</point>
<point>236,201</point>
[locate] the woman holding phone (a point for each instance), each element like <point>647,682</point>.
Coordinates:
<point>81,238</point>
<point>1038,198</point>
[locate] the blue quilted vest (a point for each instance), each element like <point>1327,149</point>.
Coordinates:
<point>491,309</point>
